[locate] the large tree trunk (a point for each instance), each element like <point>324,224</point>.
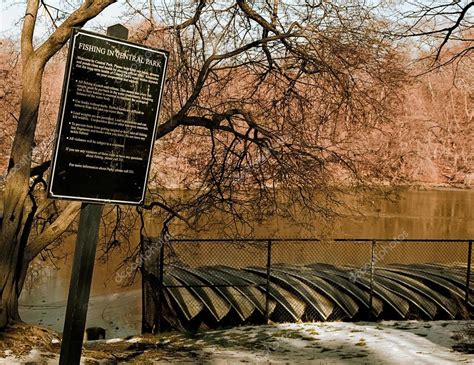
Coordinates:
<point>16,207</point>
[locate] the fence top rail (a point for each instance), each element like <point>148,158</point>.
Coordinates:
<point>260,239</point>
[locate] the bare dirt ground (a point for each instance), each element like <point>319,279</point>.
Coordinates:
<point>412,342</point>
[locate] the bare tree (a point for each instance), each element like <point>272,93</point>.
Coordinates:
<point>280,103</point>
<point>18,211</point>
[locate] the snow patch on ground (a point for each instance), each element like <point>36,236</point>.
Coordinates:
<point>114,340</point>
<point>134,340</point>
<point>388,342</point>
<point>34,357</point>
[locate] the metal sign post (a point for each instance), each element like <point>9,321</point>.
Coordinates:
<point>109,113</point>
<point>79,288</point>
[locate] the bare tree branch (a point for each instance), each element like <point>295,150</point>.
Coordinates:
<point>88,10</point>
<point>449,30</point>
<point>191,21</point>
<point>46,8</point>
<point>54,231</point>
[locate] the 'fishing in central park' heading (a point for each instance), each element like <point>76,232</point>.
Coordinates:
<point>120,55</point>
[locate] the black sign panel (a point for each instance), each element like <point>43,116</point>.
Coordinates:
<point>108,118</point>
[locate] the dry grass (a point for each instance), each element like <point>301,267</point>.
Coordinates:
<point>21,338</point>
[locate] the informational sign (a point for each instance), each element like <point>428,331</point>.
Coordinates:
<point>108,118</point>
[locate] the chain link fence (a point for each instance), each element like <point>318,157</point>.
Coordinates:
<point>209,283</point>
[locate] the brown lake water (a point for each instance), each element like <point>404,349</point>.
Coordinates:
<point>417,214</point>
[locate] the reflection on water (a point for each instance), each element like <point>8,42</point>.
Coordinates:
<point>424,214</point>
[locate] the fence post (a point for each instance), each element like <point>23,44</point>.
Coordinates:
<point>267,285</point>
<point>372,270</point>
<point>159,320</point>
<point>468,272</point>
